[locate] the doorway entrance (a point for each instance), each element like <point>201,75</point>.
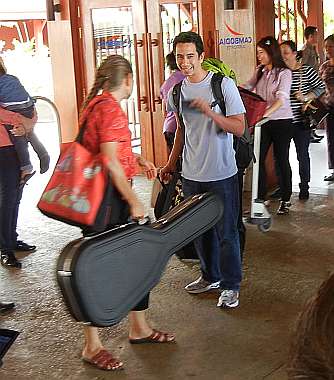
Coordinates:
<point>143,32</point>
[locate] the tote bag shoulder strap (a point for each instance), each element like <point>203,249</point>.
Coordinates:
<point>83,127</point>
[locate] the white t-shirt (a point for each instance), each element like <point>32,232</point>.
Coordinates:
<point>207,155</point>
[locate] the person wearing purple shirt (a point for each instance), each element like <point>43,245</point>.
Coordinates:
<point>176,76</point>
<point>272,81</point>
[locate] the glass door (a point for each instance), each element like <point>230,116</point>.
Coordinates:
<point>143,32</point>
<point>173,17</point>
<point>119,27</point>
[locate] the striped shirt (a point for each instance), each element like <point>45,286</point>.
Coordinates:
<point>306,80</point>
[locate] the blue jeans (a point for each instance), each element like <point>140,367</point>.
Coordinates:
<point>218,249</point>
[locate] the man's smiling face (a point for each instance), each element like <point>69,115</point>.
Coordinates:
<point>187,59</point>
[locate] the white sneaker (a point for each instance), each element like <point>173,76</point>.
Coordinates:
<point>228,299</point>
<point>201,286</point>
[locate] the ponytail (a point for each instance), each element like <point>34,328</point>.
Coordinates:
<point>109,76</point>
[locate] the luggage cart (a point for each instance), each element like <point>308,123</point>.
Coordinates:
<point>259,215</point>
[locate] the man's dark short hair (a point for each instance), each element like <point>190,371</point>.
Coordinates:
<point>189,37</point>
<point>310,31</point>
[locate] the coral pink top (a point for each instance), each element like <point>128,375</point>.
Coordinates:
<point>107,122</point>
<point>7,117</point>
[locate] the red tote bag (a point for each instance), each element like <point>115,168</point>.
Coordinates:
<point>254,104</point>
<point>77,187</point>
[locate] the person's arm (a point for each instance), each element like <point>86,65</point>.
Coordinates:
<point>21,125</point>
<point>233,124</point>
<point>316,84</point>
<point>26,126</point>
<point>251,84</point>
<point>177,149</point>
<point>147,166</point>
<point>274,107</point>
<point>282,93</point>
<point>8,117</point>
<point>176,152</point>
<point>234,121</point>
<point>120,181</point>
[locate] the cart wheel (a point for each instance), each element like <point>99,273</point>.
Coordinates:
<point>265,226</point>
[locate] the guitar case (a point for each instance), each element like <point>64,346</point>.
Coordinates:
<point>103,277</point>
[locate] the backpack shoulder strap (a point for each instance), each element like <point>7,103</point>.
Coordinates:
<point>216,86</point>
<point>177,95</point>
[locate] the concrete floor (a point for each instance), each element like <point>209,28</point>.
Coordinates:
<point>282,268</point>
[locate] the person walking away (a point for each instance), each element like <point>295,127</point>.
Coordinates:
<point>107,131</point>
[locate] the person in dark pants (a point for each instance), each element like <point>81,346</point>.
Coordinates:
<point>306,85</point>
<point>208,164</point>
<point>107,132</point>
<point>10,191</point>
<point>327,75</point>
<point>241,224</point>
<point>272,81</point>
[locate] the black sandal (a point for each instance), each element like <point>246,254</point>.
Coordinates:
<point>329,177</point>
<point>26,178</point>
<point>10,261</point>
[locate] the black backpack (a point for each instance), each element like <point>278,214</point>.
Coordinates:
<point>243,145</point>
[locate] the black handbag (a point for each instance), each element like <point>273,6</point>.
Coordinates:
<point>314,112</point>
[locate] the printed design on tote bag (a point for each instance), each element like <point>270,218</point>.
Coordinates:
<point>73,198</point>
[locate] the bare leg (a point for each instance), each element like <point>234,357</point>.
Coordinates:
<point>93,347</point>
<point>139,328</point>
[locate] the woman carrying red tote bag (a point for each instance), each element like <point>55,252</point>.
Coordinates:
<point>106,131</point>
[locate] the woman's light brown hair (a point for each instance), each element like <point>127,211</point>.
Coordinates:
<point>109,76</point>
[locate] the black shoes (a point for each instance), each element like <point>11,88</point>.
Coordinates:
<point>315,138</point>
<point>24,247</point>
<point>329,178</point>
<point>9,260</point>
<point>283,208</point>
<point>304,195</point>
<point>5,306</point>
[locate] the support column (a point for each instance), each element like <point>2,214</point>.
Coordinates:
<point>264,14</point>
<point>207,22</point>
